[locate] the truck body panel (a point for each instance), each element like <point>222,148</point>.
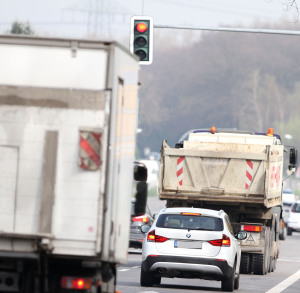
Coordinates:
<point>68,119</point>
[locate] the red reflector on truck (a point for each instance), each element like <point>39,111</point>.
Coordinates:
<point>76,283</point>
<point>251,228</point>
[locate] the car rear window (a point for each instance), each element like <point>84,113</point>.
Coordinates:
<point>190,222</point>
<point>296,208</point>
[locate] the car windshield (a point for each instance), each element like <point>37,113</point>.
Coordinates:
<point>190,222</point>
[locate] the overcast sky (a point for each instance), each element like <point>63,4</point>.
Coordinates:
<point>79,18</point>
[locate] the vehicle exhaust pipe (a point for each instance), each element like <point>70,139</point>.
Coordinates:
<point>161,270</point>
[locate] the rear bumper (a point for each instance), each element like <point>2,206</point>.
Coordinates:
<point>294,226</point>
<point>180,266</point>
<point>136,238</point>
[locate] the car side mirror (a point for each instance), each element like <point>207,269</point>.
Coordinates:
<point>140,172</point>
<point>293,159</point>
<point>145,228</point>
<point>179,145</point>
<point>242,235</point>
<point>154,216</point>
<point>140,198</point>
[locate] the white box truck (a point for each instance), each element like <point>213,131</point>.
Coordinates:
<point>68,119</point>
<point>238,172</point>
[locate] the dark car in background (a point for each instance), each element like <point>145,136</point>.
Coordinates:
<point>136,236</point>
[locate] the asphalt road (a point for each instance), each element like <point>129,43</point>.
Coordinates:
<point>286,277</point>
<point>287,271</point>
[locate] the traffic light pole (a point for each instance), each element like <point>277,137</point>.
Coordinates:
<point>235,30</point>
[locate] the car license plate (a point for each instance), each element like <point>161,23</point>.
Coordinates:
<point>188,244</point>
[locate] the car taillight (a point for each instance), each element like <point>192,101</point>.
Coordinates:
<point>251,228</point>
<point>144,219</point>
<point>76,283</point>
<point>217,242</point>
<point>225,241</point>
<point>152,237</point>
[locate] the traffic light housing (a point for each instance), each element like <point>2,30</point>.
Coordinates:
<point>141,38</point>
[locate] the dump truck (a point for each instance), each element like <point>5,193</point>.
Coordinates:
<point>68,121</point>
<point>238,172</point>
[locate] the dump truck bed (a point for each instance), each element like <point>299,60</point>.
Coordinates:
<point>223,169</point>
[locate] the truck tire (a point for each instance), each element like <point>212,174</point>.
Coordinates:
<point>258,264</point>
<point>282,234</point>
<point>289,231</point>
<point>245,263</point>
<point>274,251</point>
<point>229,282</point>
<point>261,262</point>
<point>283,231</point>
<point>272,265</point>
<point>146,279</point>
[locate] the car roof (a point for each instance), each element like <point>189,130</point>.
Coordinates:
<point>192,210</point>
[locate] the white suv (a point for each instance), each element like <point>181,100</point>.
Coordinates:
<point>191,243</point>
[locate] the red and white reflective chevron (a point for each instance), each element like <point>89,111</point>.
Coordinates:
<point>180,170</point>
<point>249,174</point>
<point>275,176</point>
<point>89,151</point>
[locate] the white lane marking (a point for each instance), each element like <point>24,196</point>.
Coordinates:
<point>148,292</point>
<point>123,270</point>
<point>289,259</point>
<point>285,283</point>
<point>127,269</point>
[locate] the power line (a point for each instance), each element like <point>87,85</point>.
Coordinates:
<point>237,30</point>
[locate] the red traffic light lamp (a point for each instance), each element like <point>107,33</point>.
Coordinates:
<point>141,38</point>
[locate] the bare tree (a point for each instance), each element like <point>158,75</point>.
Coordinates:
<point>291,6</point>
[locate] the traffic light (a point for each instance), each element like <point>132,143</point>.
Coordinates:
<point>141,38</point>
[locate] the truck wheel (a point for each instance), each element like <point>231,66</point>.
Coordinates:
<point>245,263</point>
<point>259,264</point>
<point>229,282</point>
<point>289,231</point>
<point>271,265</point>
<point>274,264</point>
<point>147,279</point>
<point>282,234</point>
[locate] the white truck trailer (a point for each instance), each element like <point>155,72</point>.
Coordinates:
<point>240,173</point>
<point>68,118</point>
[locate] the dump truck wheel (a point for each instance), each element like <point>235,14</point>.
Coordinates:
<point>245,263</point>
<point>258,264</point>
